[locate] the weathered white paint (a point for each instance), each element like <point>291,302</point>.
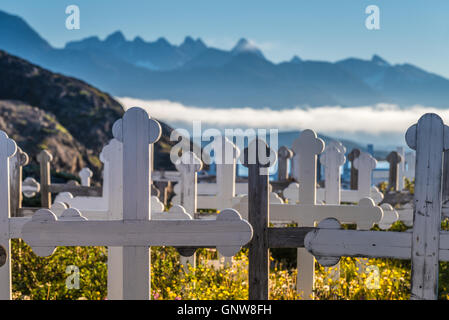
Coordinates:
<point>405,214</point>
<point>430,138</point>
<point>30,187</point>
<point>135,232</point>
<point>410,161</point>
<point>401,171</point>
<point>332,159</point>
<point>188,165</point>
<point>308,212</point>
<point>7,149</point>
<point>85,175</point>
<point>334,242</point>
<point>221,194</point>
<point>426,245</point>
<point>365,166</point>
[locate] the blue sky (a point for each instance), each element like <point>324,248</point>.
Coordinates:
<point>411,31</point>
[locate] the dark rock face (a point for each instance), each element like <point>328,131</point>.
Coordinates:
<point>73,119</point>
<point>85,111</point>
<point>34,130</point>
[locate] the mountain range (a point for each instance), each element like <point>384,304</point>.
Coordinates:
<point>195,74</point>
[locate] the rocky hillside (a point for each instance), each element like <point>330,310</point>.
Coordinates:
<point>34,129</point>
<point>41,109</point>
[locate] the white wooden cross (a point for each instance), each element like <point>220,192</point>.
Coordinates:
<point>365,189</point>
<point>108,207</point>
<point>30,187</point>
<point>225,157</point>
<point>332,159</point>
<point>284,156</point>
<point>85,174</point>
<point>401,171</point>
<point>308,212</point>
<point>426,245</point>
<point>225,192</point>
<point>410,160</point>
<point>221,194</point>
<point>188,165</point>
<point>135,232</point>
<point>19,160</point>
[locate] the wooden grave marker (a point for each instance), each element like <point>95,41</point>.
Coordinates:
<point>394,159</point>
<point>19,160</point>
<point>284,155</point>
<point>47,188</point>
<point>308,212</point>
<point>135,232</point>
<point>426,245</point>
<point>354,172</point>
<point>365,189</point>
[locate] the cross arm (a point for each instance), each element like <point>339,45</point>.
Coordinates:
<point>76,190</point>
<point>365,214</point>
<point>328,243</point>
<point>45,231</point>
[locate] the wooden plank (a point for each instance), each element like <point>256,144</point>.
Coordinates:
<point>75,190</point>
<point>258,217</point>
<point>306,148</point>
<point>287,237</point>
<point>332,159</point>
<point>427,211</point>
<point>365,164</point>
<point>410,160</point>
<point>85,175</point>
<point>368,244</point>
<point>136,201</point>
<point>7,150</point>
<point>353,243</point>
<point>354,172</point>
<point>353,196</point>
<point>394,158</point>
<point>445,195</point>
<point>44,158</point>
<point>188,165</point>
<point>401,169</point>
<point>284,154</point>
<point>16,163</point>
<point>365,214</point>
<point>50,232</point>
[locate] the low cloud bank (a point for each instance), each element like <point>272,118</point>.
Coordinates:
<point>377,119</point>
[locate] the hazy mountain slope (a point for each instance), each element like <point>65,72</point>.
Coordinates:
<point>402,83</point>
<point>157,55</point>
<point>195,74</point>
<point>18,37</point>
